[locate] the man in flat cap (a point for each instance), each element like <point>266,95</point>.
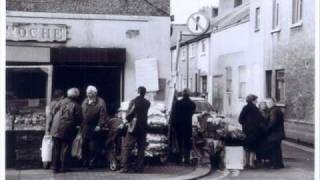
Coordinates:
<point>94,119</point>
<point>63,129</point>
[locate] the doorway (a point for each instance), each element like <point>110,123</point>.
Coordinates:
<point>107,79</point>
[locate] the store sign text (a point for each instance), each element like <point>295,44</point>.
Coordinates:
<point>36,32</point>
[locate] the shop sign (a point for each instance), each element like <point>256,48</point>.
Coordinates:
<point>36,32</point>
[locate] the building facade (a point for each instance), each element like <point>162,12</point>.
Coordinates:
<point>63,44</point>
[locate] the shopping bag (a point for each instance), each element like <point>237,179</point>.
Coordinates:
<point>46,148</point>
<point>76,150</point>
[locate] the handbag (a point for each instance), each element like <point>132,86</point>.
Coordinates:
<point>46,148</point>
<point>76,150</point>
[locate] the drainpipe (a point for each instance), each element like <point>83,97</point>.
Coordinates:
<point>187,65</point>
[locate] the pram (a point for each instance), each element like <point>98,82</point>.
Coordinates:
<point>115,131</point>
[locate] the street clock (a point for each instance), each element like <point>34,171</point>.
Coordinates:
<point>198,23</point>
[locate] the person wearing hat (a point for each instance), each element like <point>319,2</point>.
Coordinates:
<point>183,111</point>
<point>137,116</point>
<point>94,119</point>
<point>57,96</point>
<point>63,129</point>
<point>250,118</point>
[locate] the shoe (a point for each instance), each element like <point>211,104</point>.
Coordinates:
<point>123,171</point>
<point>138,171</point>
<point>55,171</point>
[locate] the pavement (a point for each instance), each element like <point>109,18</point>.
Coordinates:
<point>299,165</point>
<point>172,172</point>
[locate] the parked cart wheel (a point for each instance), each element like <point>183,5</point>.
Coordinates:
<point>163,159</point>
<point>113,165</point>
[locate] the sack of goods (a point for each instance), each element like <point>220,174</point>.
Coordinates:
<point>46,148</point>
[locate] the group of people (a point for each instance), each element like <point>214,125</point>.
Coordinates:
<point>66,118</point>
<point>263,125</point>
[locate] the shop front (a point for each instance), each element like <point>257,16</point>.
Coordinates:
<point>48,51</point>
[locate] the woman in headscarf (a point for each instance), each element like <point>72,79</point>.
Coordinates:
<point>250,118</point>
<point>262,146</point>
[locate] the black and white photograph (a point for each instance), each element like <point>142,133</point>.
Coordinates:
<point>159,89</point>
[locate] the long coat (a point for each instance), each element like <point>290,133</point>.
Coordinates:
<point>67,116</point>
<point>94,114</point>
<point>141,108</point>
<point>182,117</point>
<point>276,125</point>
<point>250,118</point>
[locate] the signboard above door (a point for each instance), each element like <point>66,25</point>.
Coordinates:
<point>36,32</point>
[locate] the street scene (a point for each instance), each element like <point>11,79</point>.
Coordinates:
<point>160,89</point>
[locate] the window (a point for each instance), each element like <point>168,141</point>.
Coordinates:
<point>242,81</point>
<point>257,21</point>
<point>268,84</point>
<point>237,3</point>
<point>228,79</point>
<point>183,53</point>
<point>204,84</point>
<point>296,11</point>
<point>193,50</point>
<point>203,46</point>
<point>275,14</point>
<point>280,85</point>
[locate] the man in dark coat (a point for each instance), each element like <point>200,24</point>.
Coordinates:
<point>138,108</point>
<point>183,111</point>
<point>275,135</point>
<point>67,116</point>
<point>57,96</point>
<point>250,118</point>
<point>94,120</point>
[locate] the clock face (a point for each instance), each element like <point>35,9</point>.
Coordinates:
<point>198,23</point>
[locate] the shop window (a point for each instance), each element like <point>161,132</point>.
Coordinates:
<point>242,81</point>
<point>275,14</point>
<point>228,79</point>
<point>257,19</point>
<point>237,3</point>
<point>193,50</point>
<point>280,86</point>
<point>297,7</point>
<point>26,97</point>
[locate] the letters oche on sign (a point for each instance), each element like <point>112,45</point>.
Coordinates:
<point>36,32</point>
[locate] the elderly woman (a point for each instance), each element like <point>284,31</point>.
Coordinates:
<point>63,128</point>
<point>262,146</point>
<point>250,118</point>
<point>94,119</point>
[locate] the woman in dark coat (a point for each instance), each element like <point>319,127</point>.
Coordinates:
<point>250,119</point>
<point>276,134</point>
<point>262,155</point>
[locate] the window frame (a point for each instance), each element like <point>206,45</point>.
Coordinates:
<point>278,93</point>
<point>297,12</point>
<point>228,79</point>
<point>276,15</point>
<point>257,19</point>
<point>242,81</point>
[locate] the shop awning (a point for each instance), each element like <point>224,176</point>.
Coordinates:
<point>88,56</point>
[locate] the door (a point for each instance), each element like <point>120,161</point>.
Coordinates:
<point>107,79</point>
<point>217,95</point>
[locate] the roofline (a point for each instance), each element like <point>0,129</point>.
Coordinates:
<point>200,37</point>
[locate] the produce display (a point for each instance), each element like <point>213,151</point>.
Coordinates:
<point>26,114</point>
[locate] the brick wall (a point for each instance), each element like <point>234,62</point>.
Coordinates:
<point>116,7</point>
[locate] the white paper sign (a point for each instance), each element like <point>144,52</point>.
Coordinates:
<point>234,157</point>
<point>147,74</point>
